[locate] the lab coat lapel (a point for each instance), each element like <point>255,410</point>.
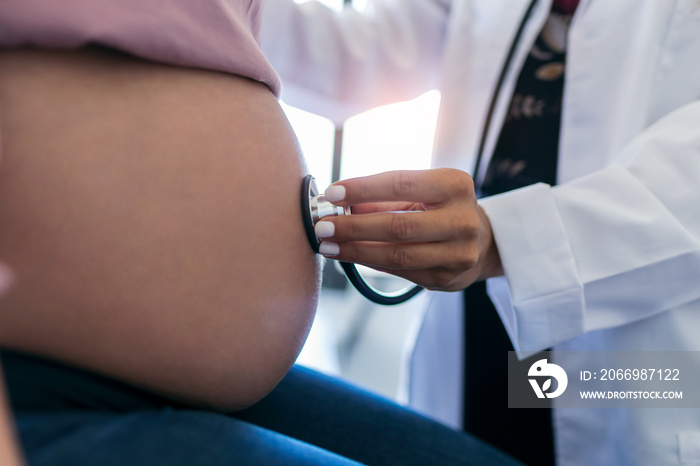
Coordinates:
<point>481,36</point>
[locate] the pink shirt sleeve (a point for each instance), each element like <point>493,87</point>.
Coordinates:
<point>218,35</point>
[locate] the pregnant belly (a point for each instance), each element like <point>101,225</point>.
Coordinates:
<point>151,216</point>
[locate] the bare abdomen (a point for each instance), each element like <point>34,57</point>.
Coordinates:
<point>151,216</point>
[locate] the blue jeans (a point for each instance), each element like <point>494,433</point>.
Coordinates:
<point>67,416</point>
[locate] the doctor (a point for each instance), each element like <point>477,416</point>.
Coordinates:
<point>607,260</point>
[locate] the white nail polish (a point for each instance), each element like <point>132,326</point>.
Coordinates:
<point>324,229</point>
<point>329,249</point>
<point>335,193</point>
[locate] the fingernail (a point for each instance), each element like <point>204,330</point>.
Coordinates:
<point>335,193</point>
<point>324,229</point>
<point>329,249</point>
<point>6,278</point>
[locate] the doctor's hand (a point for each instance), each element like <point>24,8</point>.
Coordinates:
<point>424,226</point>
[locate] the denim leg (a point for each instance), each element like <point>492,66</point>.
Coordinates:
<point>160,437</point>
<point>80,418</point>
<point>339,417</point>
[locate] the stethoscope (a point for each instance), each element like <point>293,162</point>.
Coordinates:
<point>314,207</point>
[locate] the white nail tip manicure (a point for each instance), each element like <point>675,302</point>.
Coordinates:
<point>335,193</point>
<point>324,229</point>
<point>329,249</point>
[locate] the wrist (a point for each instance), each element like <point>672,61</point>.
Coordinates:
<point>490,259</point>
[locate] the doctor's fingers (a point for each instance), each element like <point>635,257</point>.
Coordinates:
<point>438,278</point>
<point>403,227</point>
<point>376,207</point>
<point>432,187</point>
<point>400,259</point>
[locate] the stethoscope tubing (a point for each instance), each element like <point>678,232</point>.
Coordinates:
<point>385,299</point>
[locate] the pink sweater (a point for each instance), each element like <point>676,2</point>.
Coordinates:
<point>217,35</point>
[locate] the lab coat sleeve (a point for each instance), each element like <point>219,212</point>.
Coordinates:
<point>338,64</point>
<point>609,249</point>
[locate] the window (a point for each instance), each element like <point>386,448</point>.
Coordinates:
<point>393,137</point>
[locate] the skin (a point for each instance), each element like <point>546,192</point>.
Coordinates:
<point>151,217</point>
<point>425,226</point>
<point>9,450</point>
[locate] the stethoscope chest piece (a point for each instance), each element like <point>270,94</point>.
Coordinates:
<point>314,207</point>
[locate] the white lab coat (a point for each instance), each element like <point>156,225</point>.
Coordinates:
<point>610,258</point>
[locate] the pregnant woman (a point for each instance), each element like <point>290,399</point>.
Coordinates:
<point>149,212</point>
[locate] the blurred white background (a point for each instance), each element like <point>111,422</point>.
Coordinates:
<point>351,337</point>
